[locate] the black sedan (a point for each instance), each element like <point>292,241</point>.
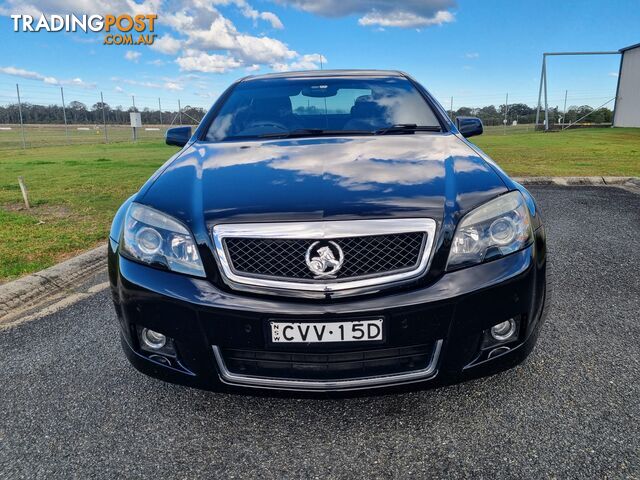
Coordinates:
<point>325,231</point>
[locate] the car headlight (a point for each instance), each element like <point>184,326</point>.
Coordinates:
<point>154,238</point>
<point>499,227</point>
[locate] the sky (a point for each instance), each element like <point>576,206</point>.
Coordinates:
<point>474,51</point>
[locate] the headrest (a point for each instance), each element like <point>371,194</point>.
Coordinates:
<point>366,107</point>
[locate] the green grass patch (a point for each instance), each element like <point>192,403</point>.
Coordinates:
<point>75,190</point>
<point>580,152</point>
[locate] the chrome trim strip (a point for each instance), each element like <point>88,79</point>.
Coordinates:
<point>323,231</point>
<point>230,378</point>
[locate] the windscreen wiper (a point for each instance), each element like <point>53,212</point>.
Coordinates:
<point>311,132</point>
<point>407,128</point>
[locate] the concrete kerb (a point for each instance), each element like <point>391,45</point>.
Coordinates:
<point>54,281</point>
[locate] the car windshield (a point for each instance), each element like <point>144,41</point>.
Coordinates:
<point>281,107</point>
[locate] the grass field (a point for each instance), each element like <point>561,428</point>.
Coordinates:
<point>580,152</point>
<point>75,190</point>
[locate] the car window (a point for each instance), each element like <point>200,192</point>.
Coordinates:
<point>339,104</point>
<point>269,107</point>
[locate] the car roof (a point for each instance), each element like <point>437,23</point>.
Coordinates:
<point>326,73</point>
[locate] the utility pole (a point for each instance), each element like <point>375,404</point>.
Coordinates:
<point>179,113</point>
<point>564,115</point>
<point>160,110</point>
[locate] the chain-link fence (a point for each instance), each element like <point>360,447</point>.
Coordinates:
<point>517,113</point>
<point>35,114</point>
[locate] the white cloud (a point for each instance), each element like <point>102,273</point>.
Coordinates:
<point>144,84</point>
<point>174,86</point>
<point>198,35</point>
<point>252,68</point>
<point>210,42</point>
<point>272,19</point>
<point>472,55</point>
<point>31,75</point>
<point>613,74</point>
<point>223,35</point>
<point>78,82</point>
<point>305,62</point>
<point>157,63</point>
<point>405,19</point>
<point>132,56</point>
<point>194,60</point>
<point>169,84</point>
<point>262,49</point>
<point>20,72</point>
<point>167,44</point>
<point>382,13</point>
<point>252,13</point>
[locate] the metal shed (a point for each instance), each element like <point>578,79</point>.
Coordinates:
<point>627,108</point>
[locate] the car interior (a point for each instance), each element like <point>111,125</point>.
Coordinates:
<point>265,112</point>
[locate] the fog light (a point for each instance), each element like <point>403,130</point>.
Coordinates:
<point>153,339</point>
<point>504,330</point>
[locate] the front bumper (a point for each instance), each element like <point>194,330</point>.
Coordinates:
<point>448,320</point>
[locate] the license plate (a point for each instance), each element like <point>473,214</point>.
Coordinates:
<point>324,332</point>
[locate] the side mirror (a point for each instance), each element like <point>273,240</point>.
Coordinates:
<point>469,126</point>
<point>178,136</point>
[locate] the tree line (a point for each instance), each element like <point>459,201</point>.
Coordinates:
<point>523,113</point>
<point>78,112</point>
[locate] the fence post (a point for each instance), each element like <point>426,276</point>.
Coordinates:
<point>542,72</point>
<point>24,143</point>
<point>64,115</point>
<point>179,113</point>
<point>25,192</point>
<point>160,110</point>
<point>104,120</point>
<point>135,133</point>
<point>506,112</point>
<point>546,98</point>
<point>564,112</point>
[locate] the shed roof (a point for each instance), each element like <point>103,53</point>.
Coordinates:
<point>630,47</point>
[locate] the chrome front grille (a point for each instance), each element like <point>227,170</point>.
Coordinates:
<point>323,256</point>
<point>363,256</point>
<point>348,370</point>
<point>332,365</point>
